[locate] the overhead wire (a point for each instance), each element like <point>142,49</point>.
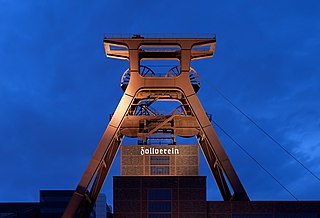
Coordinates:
<point>262,130</point>
<point>255,160</point>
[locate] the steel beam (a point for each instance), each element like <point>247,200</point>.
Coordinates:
<point>106,144</point>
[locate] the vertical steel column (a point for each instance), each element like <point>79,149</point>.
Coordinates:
<point>105,145</point>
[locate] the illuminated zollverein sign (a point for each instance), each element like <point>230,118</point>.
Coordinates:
<point>152,151</point>
<point>183,160</point>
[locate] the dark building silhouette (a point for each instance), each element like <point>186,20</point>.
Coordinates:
<point>53,202</point>
<point>263,209</point>
<point>23,210</point>
<point>52,205</point>
<point>159,196</point>
<point>185,196</point>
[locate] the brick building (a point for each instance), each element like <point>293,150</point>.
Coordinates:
<point>154,185</point>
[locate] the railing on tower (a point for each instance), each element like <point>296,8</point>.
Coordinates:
<point>172,72</point>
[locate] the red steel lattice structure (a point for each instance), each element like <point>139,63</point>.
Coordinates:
<point>141,84</point>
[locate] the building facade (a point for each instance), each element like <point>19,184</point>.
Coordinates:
<point>159,196</point>
<point>159,160</point>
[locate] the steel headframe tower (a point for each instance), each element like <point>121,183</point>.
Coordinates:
<point>133,118</point>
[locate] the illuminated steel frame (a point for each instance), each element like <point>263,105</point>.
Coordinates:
<point>139,86</point>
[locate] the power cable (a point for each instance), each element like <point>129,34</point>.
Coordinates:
<point>257,162</point>
<point>263,131</point>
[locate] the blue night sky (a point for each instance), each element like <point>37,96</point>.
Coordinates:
<point>57,88</point>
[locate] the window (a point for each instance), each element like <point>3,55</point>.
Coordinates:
<point>159,160</point>
<point>159,216</point>
<point>159,195</point>
<point>154,206</point>
<point>159,170</point>
<point>159,165</point>
<point>159,203</point>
